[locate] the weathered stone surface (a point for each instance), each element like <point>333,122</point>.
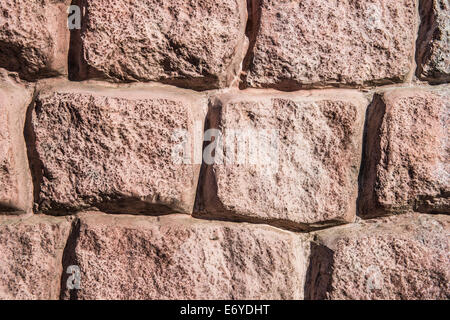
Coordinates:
<point>34,37</point>
<point>195,44</point>
<point>400,257</point>
<point>16,189</point>
<point>314,43</point>
<point>112,147</point>
<point>307,162</point>
<point>407,156</point>
<point>433,43</point>
<point>31,251</point>
<point>178,257</point>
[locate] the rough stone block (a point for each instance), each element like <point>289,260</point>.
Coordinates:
<point>287,159</point>
<point>34,37</point>
<point>402,257</point>
<point>114,148</point>
<point>193,44</point>
<point>308,43</point>
<point>178,257</point>
<point>31,251</point>
<point>406,166</point>
<point>16,189</point>
<point>433,44</point>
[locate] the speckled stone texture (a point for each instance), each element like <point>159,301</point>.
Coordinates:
<point>195,44</point>
<point>34,37</point>
<point>16,189</point>
<point>31,251</point>
<point>112,148</point>
<point>407,156</point>
<point>323,172</point>
<point>402,257</point>
<point>178,257</point>
<point>433,45</point>
<point>298,44</point>
<point>309,179</point>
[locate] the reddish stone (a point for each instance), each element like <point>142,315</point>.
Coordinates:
<point>31,251</point>
<point>433,44</point>
<point>402,257</point>
<point>16,188</point>
<point>111,148</point>
<point>34,37</point>
<point>306,177</point>
<point>296,44</point>
<point>406,166</point>
<point>195,44</point>
<point>178,257</point>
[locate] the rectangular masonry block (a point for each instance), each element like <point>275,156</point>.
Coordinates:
<point>34,37</point>
<point>31,251</point>
<point>178,257</point>
<point>287,159</point>
<point>407,155</point>
<point>194,44</point>
<point>402,257</point>
<point>115,148</point>
<point>296,44</point>
<point>16,189</point>
<point>433,43</point>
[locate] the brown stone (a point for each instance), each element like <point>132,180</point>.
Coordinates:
<point>407,153</point>
<point>178,257</point>
<point>34,37</point>
<point>31,251</point>
<point>194,44</point>
<point>296,44</point>
<point>433,44</point>
<point>112,147</point>
<point>16,189</point>
<point>401,257</point>
<point>307,163</point>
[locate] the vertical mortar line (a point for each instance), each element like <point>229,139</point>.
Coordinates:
<point>412,72</point>
<point>370,96</point>
<point>33,161</point>
<point>68,258</point>
<point>252,28</point>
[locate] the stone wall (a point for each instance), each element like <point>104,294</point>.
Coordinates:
<point>232,149</point>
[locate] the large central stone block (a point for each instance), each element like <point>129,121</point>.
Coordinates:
<point>288,159</point>
<point>305,43</point>
<point>115,148</point>
<point>194,44</point>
